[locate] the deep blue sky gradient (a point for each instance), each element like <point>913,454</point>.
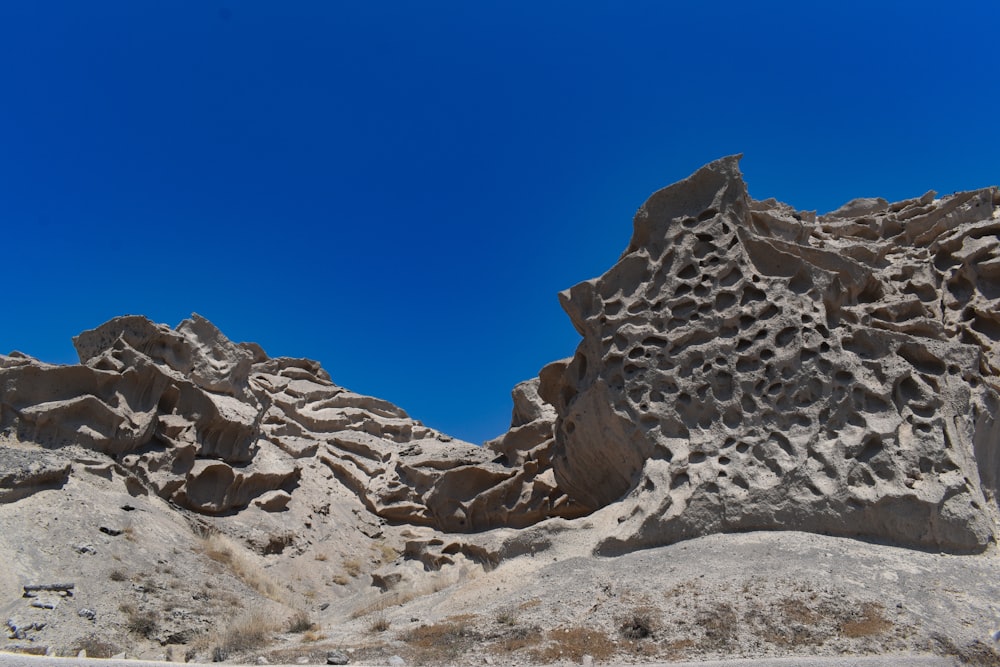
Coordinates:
<point>399,190</point>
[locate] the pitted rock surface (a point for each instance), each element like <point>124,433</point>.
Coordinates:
<point>746,366</point>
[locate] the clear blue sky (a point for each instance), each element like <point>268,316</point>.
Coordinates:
<point>399,189</point>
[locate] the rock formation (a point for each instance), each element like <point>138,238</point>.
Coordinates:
<point>213,426</point>
<point>744,366</point>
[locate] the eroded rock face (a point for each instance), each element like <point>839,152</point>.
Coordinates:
<point>745,366</point>
<point>215,426</point>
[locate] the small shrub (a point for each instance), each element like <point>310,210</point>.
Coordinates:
<point>95,647</point>
<point>441,642</point>
<point>637,625</point>
<point>720,627</point>
<point>142,623</point>
<point>117,575</point>
<point>320,557</point>
<point>506,616</point>
<point>300,622</point>
<point>248,632</point>
<point>378,623</point>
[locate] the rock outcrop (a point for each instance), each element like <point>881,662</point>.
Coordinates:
<point>213,426</point>
<point>744,366</point>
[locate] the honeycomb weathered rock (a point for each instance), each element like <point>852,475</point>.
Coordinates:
<point>745,366</point>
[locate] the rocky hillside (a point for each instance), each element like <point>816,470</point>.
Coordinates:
<point>744,367</point>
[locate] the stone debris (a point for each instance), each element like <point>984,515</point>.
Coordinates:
<point>18,630</point>
<point>32,590</point>
<point>337,658</point>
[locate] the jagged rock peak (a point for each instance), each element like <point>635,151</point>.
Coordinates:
<point>747,366</point>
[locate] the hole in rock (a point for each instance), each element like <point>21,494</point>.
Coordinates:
<point>688,272</point>
<point>751,294</point>
<point>870,448</point>
<point>680,480</point>
<point>785,336</point>
<point>730,278</point>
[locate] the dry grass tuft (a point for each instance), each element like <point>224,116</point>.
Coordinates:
<point>144,623</point>
<point>574,643</point>
<point>796,611</point>
<point>248,632</point>
<point>300,622</point>
<point>312,636</point>
<point>352,566</point>
<point>720,626</point>
<point>641,623</point>
<point>870,622</point>
<point>223,550</point>
<point>506,615</point>
<point>386,553</point>
<point>95,647</point>
<point>441,642</point>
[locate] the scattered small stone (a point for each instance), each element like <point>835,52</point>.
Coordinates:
<point>261,660</point>
<point>337,658</point>
<point>396,661</point>
<point>323,607</point>
<point>82,653</point>
<point>108,530</point>
<point>45,604</point>
<point>31,590</point>
<point>85,549</point>
<point>273,501</point>
<point>302,660</point>
<point>87,613</point>
<point>18,631</point>
<point>128,508</point>
<point>588,661</point>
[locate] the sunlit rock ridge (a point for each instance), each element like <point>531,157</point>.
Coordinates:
<point>743,366</point>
